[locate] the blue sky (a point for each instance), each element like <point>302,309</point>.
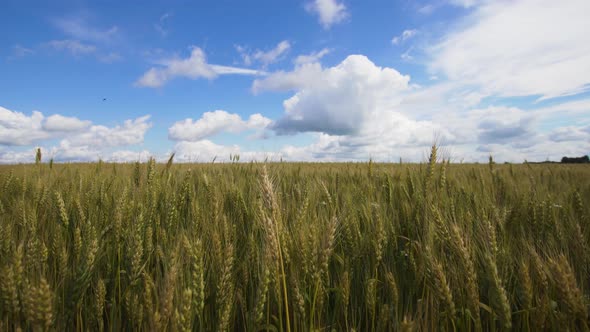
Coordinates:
<point>320,80</point>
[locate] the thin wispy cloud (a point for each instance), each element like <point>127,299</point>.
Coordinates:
<point>83,36</point>
<point>19,51</point>
<point>503,54</point>
<point>110,57</point>
<point>193,67</point>
<point>80,28</point>
<point>312,57</point>
<point>74,47</point>
<point>407,55</point>
<point>405,35</point>
<point>160,27</point>
<point>264,58</point>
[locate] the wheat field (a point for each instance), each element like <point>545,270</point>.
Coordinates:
<point>294,247</point>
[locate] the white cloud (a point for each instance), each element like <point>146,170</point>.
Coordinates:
<point>312,57</point>
<point>129,156</point>
<point>285,81</point>
<point>262,57</point>
<point>85,39</point>
<point>491,125</point>
<point>494,124</point>
<point>14,157</point>
<point>193,67</point>
<point>62,123</point>
<point>80,139</point>
<point>441,100</point>
<point>79,28</point>
<point>427,9</point>
<point>17,128</point>
<point>466,3</point>
<point>66,153</point>
<point>273,55</point>
<point>513,134</point>
<point>341,148</point>
<point>329,12</point>
<point>570,108</point>
<point>405,35</point>
<point>130,133</point>
<point>206,151</point>
<point>71,152</point>
<point>202,151</point>
<point>519,48</point>
<point>357,110</point>
<point>407,127</point>
<point>570,133</point>
<point>75,47</point>
<point>212,123</point>
<point>337,100</point>
<point>503,125</point>
<point>228,70</point>
<point>544,150</point>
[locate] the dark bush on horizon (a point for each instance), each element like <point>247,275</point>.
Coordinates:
<point>575,160</point>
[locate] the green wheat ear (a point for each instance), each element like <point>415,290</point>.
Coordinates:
<point>38,156</point>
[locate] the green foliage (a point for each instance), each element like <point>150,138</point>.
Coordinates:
<point>294,246</point>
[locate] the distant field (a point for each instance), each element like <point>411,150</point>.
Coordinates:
<point>294,247</point>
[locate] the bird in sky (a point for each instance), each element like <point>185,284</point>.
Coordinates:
<point>104,99</point>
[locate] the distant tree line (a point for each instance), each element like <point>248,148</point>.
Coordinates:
<point>575,160</point>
